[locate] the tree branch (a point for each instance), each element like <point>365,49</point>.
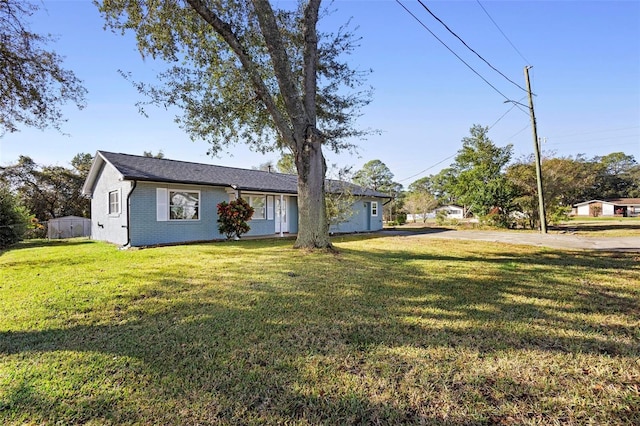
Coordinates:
<point>224,30</point>
<point>282,69</point>
<point>310,59</point>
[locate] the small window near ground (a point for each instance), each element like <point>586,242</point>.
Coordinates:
<point>184,205</point>
<point>258,202</point>
<point>374,208</point>
<point>114,202</point>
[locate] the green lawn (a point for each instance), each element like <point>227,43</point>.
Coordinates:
<point>388,331</point>
<point>582,226</point>
<point>603,226</point>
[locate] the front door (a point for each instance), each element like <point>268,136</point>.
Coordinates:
<point>280,210</point>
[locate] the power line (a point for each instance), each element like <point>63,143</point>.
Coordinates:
<point>502,32</point>
<point>450,50</point>
<point>468,47</point>
<point>428,168</point>
<point>518,132</point>
<point>502,116</point>
<point>508,111</point>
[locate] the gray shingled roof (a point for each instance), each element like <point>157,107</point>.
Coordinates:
<point>135,167</point>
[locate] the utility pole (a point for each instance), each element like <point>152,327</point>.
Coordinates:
<point>536,151</point>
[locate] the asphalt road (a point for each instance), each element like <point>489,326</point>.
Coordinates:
<point>558,241</point>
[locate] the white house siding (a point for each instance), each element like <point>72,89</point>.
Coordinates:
<point>453,212</point>
<point>607,209</point>
<point>106,227</point>
<point>584,210</point>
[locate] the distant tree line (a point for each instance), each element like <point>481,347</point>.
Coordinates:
<point>33,193</point>
<point>489,184</point>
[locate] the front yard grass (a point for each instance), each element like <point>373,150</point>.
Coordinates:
<point>388,331</point>
<point>603,226</point>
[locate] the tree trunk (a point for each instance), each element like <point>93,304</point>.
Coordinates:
<point>313,226</point>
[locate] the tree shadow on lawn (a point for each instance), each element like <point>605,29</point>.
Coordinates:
<point>316,345</point>
<point>28,244</point>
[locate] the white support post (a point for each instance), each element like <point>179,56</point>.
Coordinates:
<point>280,212</point>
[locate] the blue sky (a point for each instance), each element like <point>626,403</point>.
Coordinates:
<point>586,77</point>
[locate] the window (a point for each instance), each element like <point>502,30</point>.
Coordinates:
<point>374,208</point>
<point>258,203</point>
<point>184,205</point>
<point>114,202</point>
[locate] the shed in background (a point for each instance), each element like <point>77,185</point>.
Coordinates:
<point>68,227</point>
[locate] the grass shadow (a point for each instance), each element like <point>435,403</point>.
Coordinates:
<point>370,335</point>
<point>37,243</point>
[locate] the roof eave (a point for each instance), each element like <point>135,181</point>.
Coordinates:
<point>200,183</point>
<point>96,165</point>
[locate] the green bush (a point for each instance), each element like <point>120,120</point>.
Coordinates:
<point>497,220</point>
<point>14,218</point>
<point>35,230</point>
<point>559,214</point>
<point>441,217</point>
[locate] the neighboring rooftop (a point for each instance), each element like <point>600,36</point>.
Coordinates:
<point>617,201</point>
<point>151,169</point>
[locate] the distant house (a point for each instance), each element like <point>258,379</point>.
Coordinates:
<point>451,211</point>
<point>142,201</point>
<point>624,207</point>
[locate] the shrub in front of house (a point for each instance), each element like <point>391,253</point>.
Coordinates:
<point>233,217</point>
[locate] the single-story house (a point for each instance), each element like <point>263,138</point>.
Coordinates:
<point>625,207</point>
<point>142,201</point>
<point>451,211</point>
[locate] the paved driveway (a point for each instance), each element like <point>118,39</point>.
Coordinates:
<point>560,241</point>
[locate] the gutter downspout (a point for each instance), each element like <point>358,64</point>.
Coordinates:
<point>128,244</point>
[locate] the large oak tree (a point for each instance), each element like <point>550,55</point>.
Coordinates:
<point>243,72</point>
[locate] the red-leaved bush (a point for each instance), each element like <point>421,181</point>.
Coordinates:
<point>233,217</point>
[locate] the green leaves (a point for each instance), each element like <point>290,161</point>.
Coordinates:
<point>33,83</point>
<point>479,182</point>
<point>49,191</point>
<point>375,175</point>
<point>14,218</point>
<point>221,74</point>
<point>233,217</point>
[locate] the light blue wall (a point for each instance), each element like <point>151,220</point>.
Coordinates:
<point>268,226</point>
<point>261,227</point>
<point>292,211</point>
<point>359,221</point>
<point>147,230</point>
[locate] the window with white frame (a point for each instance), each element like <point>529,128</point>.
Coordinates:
<point>114,202</point>
<point>258,202</point>
<point>184,205</point>
<point>374,208</point>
